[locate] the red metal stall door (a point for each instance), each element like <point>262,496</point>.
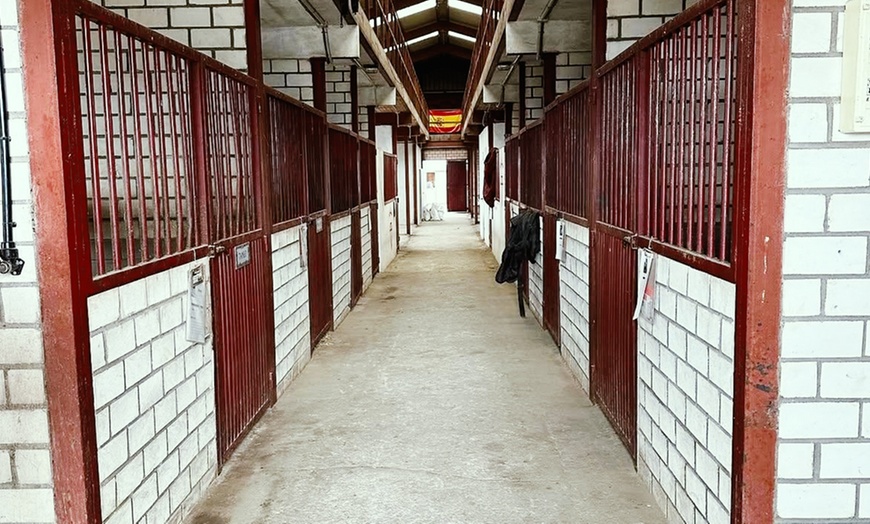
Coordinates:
<point>551,278</point>
<point>614,353</point>
<point>374,221</point>
<point>319,280</point>
<point>356,277</point>
<point>245,358</point>
<point>456,186</point>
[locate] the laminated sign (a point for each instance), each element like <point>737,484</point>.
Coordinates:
<point>646,285</point>
<point>196,305</point>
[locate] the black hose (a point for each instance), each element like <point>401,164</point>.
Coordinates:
<point>9,259</point>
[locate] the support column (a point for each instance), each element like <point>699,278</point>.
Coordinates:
<point>56,159</point>
<point>763,70</point>
<point>354,100</point>
<point>372,124</point>
<point>318,77</point>
<point>508,118</point>
<point>416,186</point>
<point>523,94</point>
<point>549,78</point>
<point>407,189</point>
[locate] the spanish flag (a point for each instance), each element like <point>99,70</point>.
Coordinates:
<point>445,121</point>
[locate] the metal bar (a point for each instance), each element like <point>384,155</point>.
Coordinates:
<point>163,202</point>
<point>714,139</point>
<point>727,193</point>
<point>152,151</point>
<point>125,145</point>
<point>95,149</point>
<point>140,156</point>
<point>176,149</point>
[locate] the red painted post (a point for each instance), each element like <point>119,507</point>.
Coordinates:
<point>57,166</point>
<point>549,78</point>
<point>763,70</point>
<point>318,77</point>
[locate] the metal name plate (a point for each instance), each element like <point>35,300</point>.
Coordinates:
<point>243,255</point>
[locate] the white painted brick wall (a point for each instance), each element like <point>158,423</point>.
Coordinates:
<point>823,475</point>
<point>574,290</point>
<point>338,96</point>
<point>571,69</point>
<point>630,20</point>
<point>366,226</point>
<point>26,493</point>
<point>340,233</point>
<point>534,91</point>
<point>215,27</point>
<point>685,394</point>
<point>292,77</point>
<point>536,281</point>
<point>292,320</point>
<point>154,398</point>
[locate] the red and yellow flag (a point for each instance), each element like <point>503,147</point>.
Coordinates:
<point>445,121</point>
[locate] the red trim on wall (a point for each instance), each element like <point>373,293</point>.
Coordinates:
<point>760,148</point>
<point>64,267</point>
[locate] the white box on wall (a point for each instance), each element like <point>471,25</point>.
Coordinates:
<point>855,113</point>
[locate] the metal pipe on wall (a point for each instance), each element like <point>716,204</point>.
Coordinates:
<point>10,263</point>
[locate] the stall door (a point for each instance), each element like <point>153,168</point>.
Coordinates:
<point>614,350</point>
<point>374,221</point>
<point>456,186</point>
<point>241,265</point>
<point>319,279</point>
<point>356,276</point>
<point>551,278</point>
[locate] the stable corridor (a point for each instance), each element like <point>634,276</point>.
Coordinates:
<point>432,402</point>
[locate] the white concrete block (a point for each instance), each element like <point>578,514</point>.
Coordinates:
<point>823,339</point>
<point>823,168</point>
<point>137,365</point>
<point>848,297</point>
<point>805,213</point>
<point>815,76</point>
<point>112,455</point>
<point>807,123</point>
<point>798,379</point>
<point>719,444</point>
<point>103,309</point>
<point>845,460</point>
<point>845,380</point>
<point>815,501</point>
<point>806,420</point>
<point>849,212</point>
<point>26,386</point>
<point>801,297</point>
<point>108,384</point>
<point>123,411</point>
<point>811,32</point>
<point>5,467</point>
<point>120,340</point>
<point>794,461</point>
<point>825,255</point>
<point>27,505</point>
<point>864,501</point>
<point>21,305</point>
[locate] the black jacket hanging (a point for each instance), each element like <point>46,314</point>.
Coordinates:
<point>523,245</point>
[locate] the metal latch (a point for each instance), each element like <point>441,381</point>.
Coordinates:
<point>630,241</point>
<point>215,250</point>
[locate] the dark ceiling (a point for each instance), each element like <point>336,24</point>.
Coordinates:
<point>443,79</point>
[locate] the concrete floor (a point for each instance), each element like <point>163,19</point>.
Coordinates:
<point>433,402</point>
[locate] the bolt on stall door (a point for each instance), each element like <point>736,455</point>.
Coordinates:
<point>241,263</point>
<point>551,278</point>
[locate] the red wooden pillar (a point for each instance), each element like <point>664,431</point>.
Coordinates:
<point>416,183</point>
<point>763,69</point>
<point>549,78</point>
<point>56,163</point>
<point>354,100</point>
<point>318,77</point>
<point>407,188</point>
<point>522,107</point>
<point>372,125</point>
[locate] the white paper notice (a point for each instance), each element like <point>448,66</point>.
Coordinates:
<point>560,240</point>
<point>303,246</point>
<point>196,299</point>
<point>646,285</point>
